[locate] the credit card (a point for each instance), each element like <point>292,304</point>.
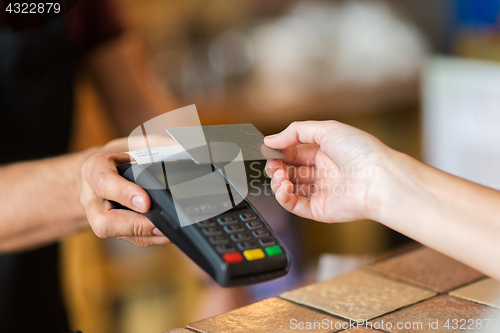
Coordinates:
<point>222,143</point>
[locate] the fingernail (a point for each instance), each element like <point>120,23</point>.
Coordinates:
<point>271,136</point>
<point>157,232</point>
<point>138,202</point>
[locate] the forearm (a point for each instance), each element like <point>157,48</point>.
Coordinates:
<point>41,236</point>
<point>40,201</point>
<point>452,215</point>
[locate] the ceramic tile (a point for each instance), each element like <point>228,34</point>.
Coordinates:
<point>486,292</point>
<point>358,295</point>
<point>412,245</point>
<point>270,315</point>
<point>436,312</point>
<point>429,269</point>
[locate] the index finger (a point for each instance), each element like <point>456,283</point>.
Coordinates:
<point>301,132</point>
<point>300,155</point>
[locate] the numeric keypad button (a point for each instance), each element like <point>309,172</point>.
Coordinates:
<point>260,233</point>
<point>212,231</point>
<point>266,241</point>
<point>220,239</point>
<point>247,245</point>
<point>227,220</point>
<point>247,216</point>
<point>225,248</point>
<point>240,237</point>
<point>254,224</point>
<point>233,228</point>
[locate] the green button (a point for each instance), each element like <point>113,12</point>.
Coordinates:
<point>273,250</point>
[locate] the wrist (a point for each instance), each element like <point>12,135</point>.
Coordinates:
<point>75,171</point>
<point>390,187</point>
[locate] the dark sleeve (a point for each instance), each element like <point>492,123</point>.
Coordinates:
<point>92,22</point>
<point>4,20</point>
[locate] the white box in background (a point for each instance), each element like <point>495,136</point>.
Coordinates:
<point>461,118</point>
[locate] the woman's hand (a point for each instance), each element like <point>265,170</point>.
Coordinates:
<point>101,184</point>
<point>334,173</point>
<point>329,171</point>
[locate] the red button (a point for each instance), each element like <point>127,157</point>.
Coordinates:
<point>233,257</point>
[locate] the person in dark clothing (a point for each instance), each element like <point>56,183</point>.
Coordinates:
<point>40,183</point>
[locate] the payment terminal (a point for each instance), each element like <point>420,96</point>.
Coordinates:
<point>231,241</point>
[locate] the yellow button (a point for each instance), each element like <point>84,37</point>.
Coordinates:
<point>254,254</point>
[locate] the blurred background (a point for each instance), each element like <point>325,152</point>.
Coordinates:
<point>421,75</point>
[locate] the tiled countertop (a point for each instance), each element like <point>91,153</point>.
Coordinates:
<point>417,291</point>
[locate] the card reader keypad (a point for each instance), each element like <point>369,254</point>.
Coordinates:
<point>235,247</point>
<point>212,231</point>
<point>239,236</point>
<point>221,239</point>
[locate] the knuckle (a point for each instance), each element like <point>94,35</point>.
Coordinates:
<point>85,166</point>
<point>89,163</point>
<point>86,195</point>
<point>99,227</point>
<point>139,229</point>
<point>104,185</point>
<point>85,170</point>
<point>99,183</point>
<point>331,123</point>
<point>83,200</point>
<point>142,242</point>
